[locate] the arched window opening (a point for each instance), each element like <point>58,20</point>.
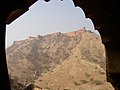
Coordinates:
<point>54,46</point>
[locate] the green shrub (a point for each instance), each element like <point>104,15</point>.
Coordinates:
<point>47,88</point>
<point>97,82</point>
<point>84,81</point>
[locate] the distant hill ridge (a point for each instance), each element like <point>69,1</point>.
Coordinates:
<point>30,58</point>
<point>69,34</point>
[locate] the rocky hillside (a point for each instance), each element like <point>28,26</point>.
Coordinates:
<point>30,58</point>
<point>74,74</point>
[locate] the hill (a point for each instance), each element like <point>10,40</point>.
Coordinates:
<point>31,58</point>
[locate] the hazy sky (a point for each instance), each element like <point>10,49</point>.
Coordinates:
<point>48,17</point>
